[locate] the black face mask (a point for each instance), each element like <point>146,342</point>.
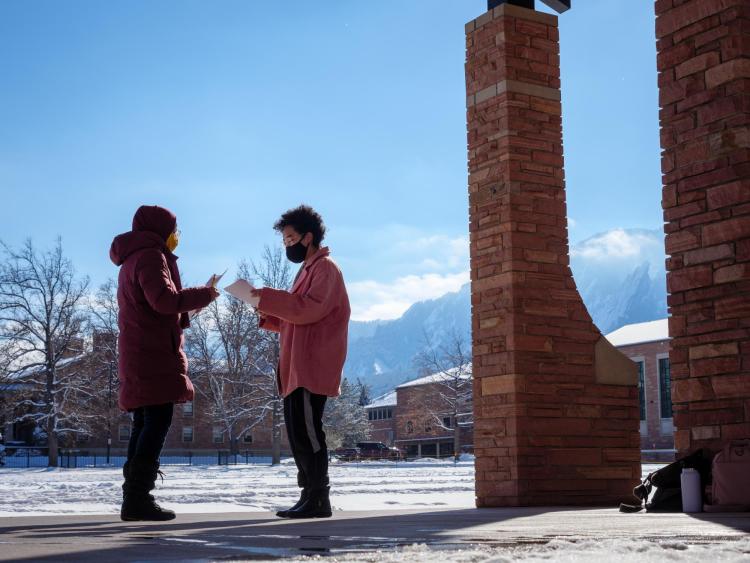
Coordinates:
<point>297,252</point>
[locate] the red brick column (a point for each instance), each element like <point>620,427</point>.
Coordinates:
<point>704,93</point>
<point>555,406</point>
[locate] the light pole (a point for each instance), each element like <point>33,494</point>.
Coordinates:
<point>109,412</point>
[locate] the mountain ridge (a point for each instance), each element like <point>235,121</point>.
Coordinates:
<point>620,275</point>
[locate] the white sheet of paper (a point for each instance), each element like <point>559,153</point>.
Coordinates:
<point>215,278</point>
<point>242,290</point>
<point>212,281</point>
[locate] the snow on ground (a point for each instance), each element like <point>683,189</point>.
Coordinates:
<point>561,550</point>
<point>355,486</point>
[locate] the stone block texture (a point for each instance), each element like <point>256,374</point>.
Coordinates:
<point>547,430</point>
<point>704,96</point>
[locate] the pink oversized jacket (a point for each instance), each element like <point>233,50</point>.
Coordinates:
<point>313,320</point>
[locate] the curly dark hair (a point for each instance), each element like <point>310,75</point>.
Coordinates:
<point>303,219</point>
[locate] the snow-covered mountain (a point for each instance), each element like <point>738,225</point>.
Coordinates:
<point>620,275</point>
<point>382,352</point>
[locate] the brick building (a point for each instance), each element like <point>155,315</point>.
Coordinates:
<point>416,418</point>
<point>381,414</point>
<point>647,344</point>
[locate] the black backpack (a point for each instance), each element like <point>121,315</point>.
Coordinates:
<point>668,495</point>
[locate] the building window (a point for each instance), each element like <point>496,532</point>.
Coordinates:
<point>380,414</point>
<point>447,422</point>
<point>409,427</point>
<point>247,438</point>
<point>665,388</point>
<point>642,389</point>
<point>187,433</point>
<point>124,433</point>
<point>187,409</point>
<point>218,435</point>
<point>427,427</point>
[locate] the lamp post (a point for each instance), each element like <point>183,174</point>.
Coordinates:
<point>109,412</point>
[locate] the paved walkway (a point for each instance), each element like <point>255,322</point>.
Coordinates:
<point>261,536</point>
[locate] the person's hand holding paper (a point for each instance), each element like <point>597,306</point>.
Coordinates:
<point>245,292</point>
<point>212,281</point>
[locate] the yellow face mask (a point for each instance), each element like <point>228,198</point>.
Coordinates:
<point>173,241</point>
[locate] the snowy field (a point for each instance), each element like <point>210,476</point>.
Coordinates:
<point>355,486</point>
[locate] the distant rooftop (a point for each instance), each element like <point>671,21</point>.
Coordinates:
<point>387,400</point>
<point>39,368</point>
<point>437,377</point>
<point>639,333</point>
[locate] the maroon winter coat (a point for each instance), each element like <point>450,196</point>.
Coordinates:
<point>153,313</point>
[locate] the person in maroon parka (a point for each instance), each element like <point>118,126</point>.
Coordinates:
<point>153,366</point>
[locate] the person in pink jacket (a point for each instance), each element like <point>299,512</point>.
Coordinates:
<point>313,320</point>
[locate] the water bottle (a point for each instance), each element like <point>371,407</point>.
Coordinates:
<point>690,482</point>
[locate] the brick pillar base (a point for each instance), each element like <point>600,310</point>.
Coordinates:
<point>704,93</point>
<point>555,405</point>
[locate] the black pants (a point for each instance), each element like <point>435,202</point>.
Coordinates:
<point>303,416</point>
<point>149,430</point>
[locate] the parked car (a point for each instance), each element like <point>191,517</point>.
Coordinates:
<point>347,454</point>
<point>378,450</point>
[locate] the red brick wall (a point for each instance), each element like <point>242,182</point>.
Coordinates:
<point>546,431</point>
<point>704,93</point>
<point>656,432</point>
<point>384,430</point>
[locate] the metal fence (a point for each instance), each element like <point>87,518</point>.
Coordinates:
<point>28,457</point>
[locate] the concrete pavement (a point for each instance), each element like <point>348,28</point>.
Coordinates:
<point>262,536</point>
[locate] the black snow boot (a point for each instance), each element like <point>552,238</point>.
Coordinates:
<point>137,503</point>
<point>302,498</point>
<point>126,475</point>
<point>317,505</point>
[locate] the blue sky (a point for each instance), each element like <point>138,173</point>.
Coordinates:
<point>230,112</point>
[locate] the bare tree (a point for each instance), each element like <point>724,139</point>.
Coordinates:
<point>450,366</point>
<point>273,270</point>
<point>234,363</point>
<point>104,310</point>
<point>345,419</point>
<point>41,321</point>
<point>221,344</point>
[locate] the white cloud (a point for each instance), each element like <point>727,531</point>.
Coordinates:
<point>378,300</point>
<point>617,243</point>
<point>435,252</point>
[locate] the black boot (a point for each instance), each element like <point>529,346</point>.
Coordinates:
<point>317,505</point>
<point>138,504</point>
<point>302,498</point>
<point>126,475</point>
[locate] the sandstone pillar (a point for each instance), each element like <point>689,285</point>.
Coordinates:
<point>704,94</point>
<point>555,406</point>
